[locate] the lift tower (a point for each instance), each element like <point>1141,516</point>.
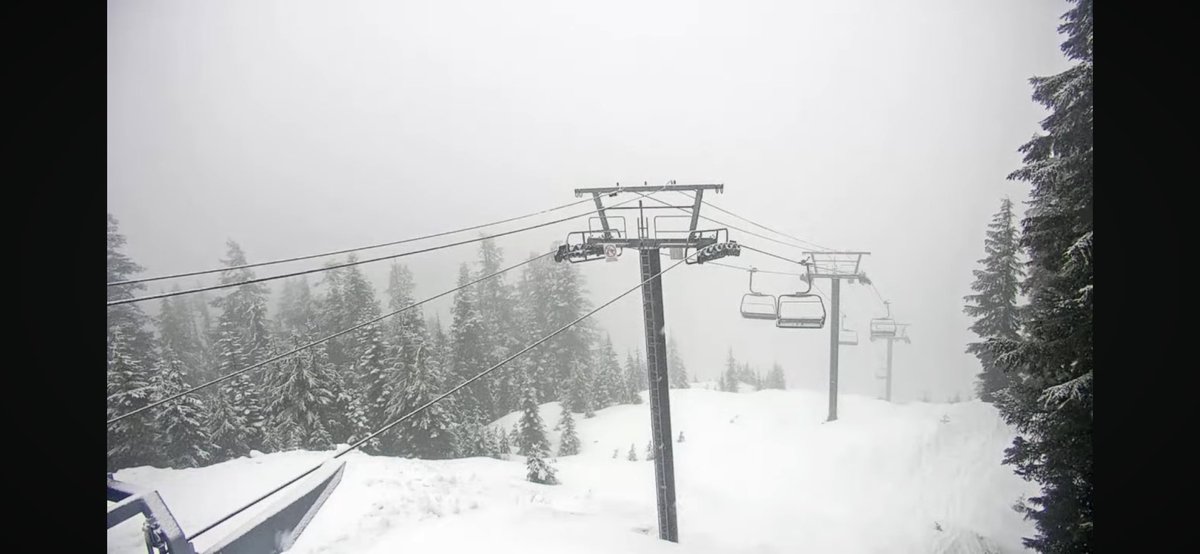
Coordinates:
<point>835,266</point>
<point>694,246</point>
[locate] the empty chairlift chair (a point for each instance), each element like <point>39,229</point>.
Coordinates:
<point>756,305</point>
<point>883,327</point>
<point>801,310</point>
<point>847,336</point>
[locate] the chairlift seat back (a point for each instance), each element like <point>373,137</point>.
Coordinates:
<point>883,328</point>
<point>759,306</point>
<point>800,311</point>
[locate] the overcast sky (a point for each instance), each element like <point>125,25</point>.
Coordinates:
<point>302,126</point>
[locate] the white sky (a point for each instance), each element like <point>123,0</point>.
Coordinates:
<point>303,126</point>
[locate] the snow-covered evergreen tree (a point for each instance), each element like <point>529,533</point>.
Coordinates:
<point>634,380</point>
<point>498,313</point>
<point>610,387</point>
<point>224,427</point>
<point>426,434</point>
<point>131,441</point>
<point>502,443</point>
<point>729,379</point>
<point>677,373</point>
<point>183,437</point>
<point>552,296</point>
<point>304,391</point>
<point>228,409</point>
<point>775,378</point>
<point>408,330</point>
<point>532,432</point>
<point>632,453</point>
<point>178,332</point>
<point>533,443</point>
<point>468,353</point>
<point>568,441</point>
<point>138,340</point>
<point>650,450</point>
<point>297,309</point>
<point>243,340</point>
<point>579,395</point>
<point>1050,400</point>
<point>995,303</point>
<point>378,371</point>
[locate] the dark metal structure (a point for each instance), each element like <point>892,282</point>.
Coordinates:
<point>694,246</point>
<point>837,267</point>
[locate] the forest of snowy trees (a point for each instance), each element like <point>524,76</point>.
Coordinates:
<point>341,390</point>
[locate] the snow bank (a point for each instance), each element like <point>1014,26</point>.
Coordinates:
<point>759,472</point>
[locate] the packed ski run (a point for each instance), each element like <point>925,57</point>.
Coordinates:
<point>756,472</point>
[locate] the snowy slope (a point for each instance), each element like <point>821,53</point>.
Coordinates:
<point>758,472</point>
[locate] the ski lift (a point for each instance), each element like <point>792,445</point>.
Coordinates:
<point>756,305</point>
<point>883,327</point>
<point>801,310</point>
<point>847,336</point>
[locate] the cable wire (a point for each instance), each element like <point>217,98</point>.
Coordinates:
<point>345,251</point>
<point>753,249</point>
<point>357,262</point>
<point>752,222</point>
<point>748,232</point>
<point>316,342</point>
<point>417,410</point>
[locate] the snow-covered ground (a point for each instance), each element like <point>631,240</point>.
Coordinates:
<point>758,472</point>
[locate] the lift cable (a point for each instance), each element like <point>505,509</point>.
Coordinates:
<point>345,251</point>
<point>360,262</point>
<point>752,222</point>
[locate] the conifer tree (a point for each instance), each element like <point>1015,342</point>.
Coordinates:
<point>304,399</point>
<point>633,381</point>
<point>534,445</point>
<point>183,437</point>
<point>1049,400</point>
<point>569,440</point>
<point>180,335</point>
<point>138,340</point>
<point>579,395</point>
<point>131,440</point>
<point>497,311</point>
<point>243,340</point>
<point>775,378</point>
<point>425,435</point>
<point>632,453</point>
<point>650,450</point>
<point>995,302</point>
<point>467,352</point>
<point>502,442</point>
<point>677,373</point>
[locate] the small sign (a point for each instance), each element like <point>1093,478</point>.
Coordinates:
<point>676,253</point>
<point>610,252</point>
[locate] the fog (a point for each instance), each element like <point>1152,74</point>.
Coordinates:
<point>300,127</point>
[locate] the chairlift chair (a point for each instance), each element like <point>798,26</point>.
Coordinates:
<point>756,305</point>
<point>801,310</point>
<point>847,336</point>
<point>883,327</point>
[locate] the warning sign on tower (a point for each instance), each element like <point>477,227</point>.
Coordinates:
<point>610,252</point>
